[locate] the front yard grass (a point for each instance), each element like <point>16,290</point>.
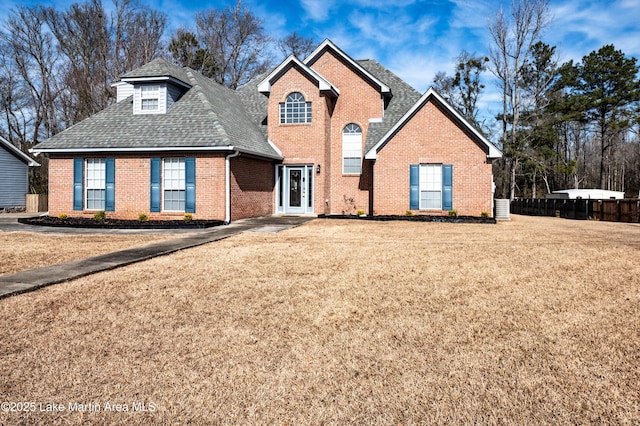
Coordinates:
<point>21,251</point>
<point>533,321</point>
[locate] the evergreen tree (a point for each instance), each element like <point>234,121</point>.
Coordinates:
<point>608,92</point>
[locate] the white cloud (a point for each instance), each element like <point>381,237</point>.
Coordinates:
<point>317,10</point>
<point>578,30</point>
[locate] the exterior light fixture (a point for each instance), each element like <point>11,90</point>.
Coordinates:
<point>318,169</point>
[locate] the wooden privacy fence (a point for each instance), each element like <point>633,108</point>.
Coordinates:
<point>627,210</point>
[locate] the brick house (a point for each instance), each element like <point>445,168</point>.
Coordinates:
<point>326,135</point>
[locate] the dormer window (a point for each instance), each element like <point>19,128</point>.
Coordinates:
<point>150,98</point>
<point>154,98</point>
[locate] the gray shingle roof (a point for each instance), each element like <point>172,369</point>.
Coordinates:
<point>255,103</point>
<point>404,97</point>
<point>158,68</point>
<point>207,115</point>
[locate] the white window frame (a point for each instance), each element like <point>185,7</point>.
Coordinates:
<point>149,92</point>
<point>174,181</point>
<point>430,185</point>
<point>95,179</point>
<point>352,149</point>
<point>295,110</point>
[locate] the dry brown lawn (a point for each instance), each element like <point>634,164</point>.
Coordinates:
<point>21,251</point>
<point>534,321</point>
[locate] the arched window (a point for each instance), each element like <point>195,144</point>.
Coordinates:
<point>295,109</point>
<point>352,149</point>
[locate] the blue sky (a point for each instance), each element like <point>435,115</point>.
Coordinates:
<point>416,39</point>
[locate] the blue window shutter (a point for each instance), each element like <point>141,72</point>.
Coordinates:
<point>110,185</point>
<point>414,186</point>
<point>447,187</point>
<point>78,169</point>
<point>155,185</point>
<point>190,185</point>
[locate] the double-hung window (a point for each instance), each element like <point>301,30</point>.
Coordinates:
<point>352,149</point>
<point>150,97</point>
<point>173,184</point>
<point>431,187</point>
<point>95,185</point>
<point>295,109</point>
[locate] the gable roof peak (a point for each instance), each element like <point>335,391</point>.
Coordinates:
<point>429,96</point>
<point>328,45</point>
<point>323,84</point>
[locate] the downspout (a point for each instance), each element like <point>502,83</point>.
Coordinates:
<point>227,164</point>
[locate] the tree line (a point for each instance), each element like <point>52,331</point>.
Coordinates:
<point>57,65</point>
<point>561,125</point>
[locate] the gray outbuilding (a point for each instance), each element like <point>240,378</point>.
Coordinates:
<point>14,175</point>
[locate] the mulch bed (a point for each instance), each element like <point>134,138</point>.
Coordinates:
<point>415,218</point>
<point>79,222</point>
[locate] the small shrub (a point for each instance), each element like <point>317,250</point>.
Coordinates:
<point>360,212</point>
<point>143,217</point>
<point>62,216</point>
<point>187,217</point>
<point>408,213</point>
<point>484,215</point>
<point>100,216</point>
<point>453,213</point>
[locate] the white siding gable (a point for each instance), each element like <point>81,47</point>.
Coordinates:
<point>123,90</point>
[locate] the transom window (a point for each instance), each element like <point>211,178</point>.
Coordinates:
<point>149,97</point>
<point>95,184</point>
<point>173,184</point>
<point>352,149</point>
<point>295,110</point>
<point>431,186</point>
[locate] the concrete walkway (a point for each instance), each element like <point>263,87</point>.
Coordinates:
<point>36,278</point>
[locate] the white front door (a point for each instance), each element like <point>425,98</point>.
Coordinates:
<point>295,189</point>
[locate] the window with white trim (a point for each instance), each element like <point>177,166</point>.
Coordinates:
<point>95,183</point>
<point>431,186</point>
<point>352,149</point>
<point>295,110</point>
<point>173,184</point>
<point>150,97</point>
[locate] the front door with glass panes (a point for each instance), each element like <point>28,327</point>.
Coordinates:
<point>295,189</point>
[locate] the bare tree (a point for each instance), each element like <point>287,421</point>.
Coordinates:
<point>30,62</point>
<point>137,32</point>
<point>297,45</point>
<point>513,36</point>
<point>235,40</point>
<point>28,86</point>
<point>82,33</point>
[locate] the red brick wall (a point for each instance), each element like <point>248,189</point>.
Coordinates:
<point>320,142</point>
<point>431,137</point>
<point>132,194</point>
<point>303,143</point>
<point>357,103</point>
<point>60,186</point>
<point>252,186</point>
